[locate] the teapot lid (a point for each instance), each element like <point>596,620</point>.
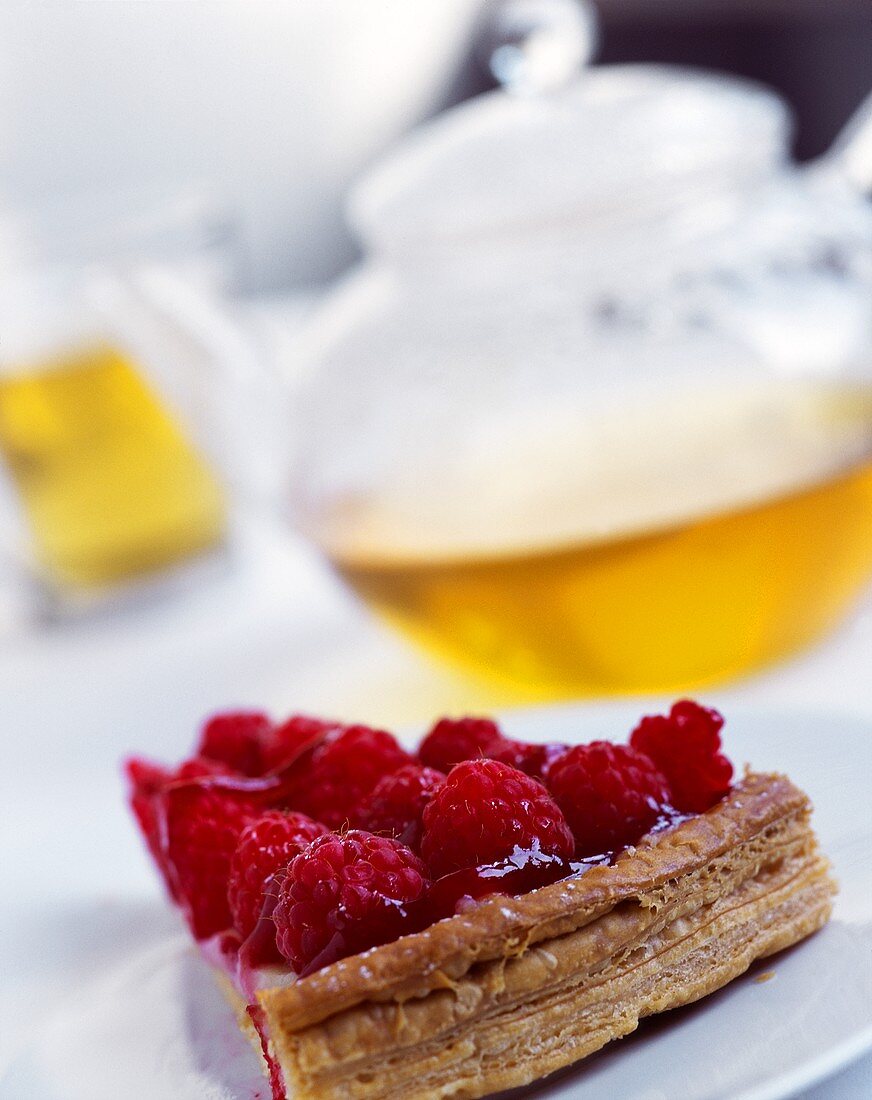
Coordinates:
<point>619,140</point>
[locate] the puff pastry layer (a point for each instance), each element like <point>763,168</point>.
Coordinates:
<point>520,987</point>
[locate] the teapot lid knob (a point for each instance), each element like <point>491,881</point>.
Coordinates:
<point>533,47</point>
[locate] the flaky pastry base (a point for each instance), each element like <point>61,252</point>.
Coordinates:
<point>520,987</point>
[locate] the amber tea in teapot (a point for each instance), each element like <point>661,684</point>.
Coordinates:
<point>669,603</point>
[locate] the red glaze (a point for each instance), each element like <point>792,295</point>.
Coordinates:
<point>274,1070</point>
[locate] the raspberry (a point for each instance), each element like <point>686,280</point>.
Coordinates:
<point>236,739</point>
<point>484,812</point>
<point>453,740</point>
<point>344,894</point>
<point>264,849</point>
<point>685,746</point>
<point>396,804</point>
<point>344,768</point>
<point>287,741</point>
<point>533,760</point>
<point>147,780</point>
<point>145,776</point>
<point>202,827</point>
<point>611,795</point>
<point>198,767</point>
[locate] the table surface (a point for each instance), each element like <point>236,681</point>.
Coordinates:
<point>269,626</point>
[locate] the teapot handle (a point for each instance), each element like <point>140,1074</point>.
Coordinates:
<point>851,152</point>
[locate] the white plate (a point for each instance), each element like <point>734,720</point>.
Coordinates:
<point>152,1025</point>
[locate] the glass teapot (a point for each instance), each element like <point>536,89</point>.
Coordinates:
<point>594,413</point>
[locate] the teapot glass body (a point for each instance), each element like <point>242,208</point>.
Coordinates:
<point>628,447</point>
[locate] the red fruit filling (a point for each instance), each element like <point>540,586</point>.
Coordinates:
<point>686,747</point>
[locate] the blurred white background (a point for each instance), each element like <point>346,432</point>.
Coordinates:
<point>276,105</point>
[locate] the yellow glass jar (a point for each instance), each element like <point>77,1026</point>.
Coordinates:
<point>110,484</point>
<point>109,392</point>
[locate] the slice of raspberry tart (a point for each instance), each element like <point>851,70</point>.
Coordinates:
<point>477,915</point>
